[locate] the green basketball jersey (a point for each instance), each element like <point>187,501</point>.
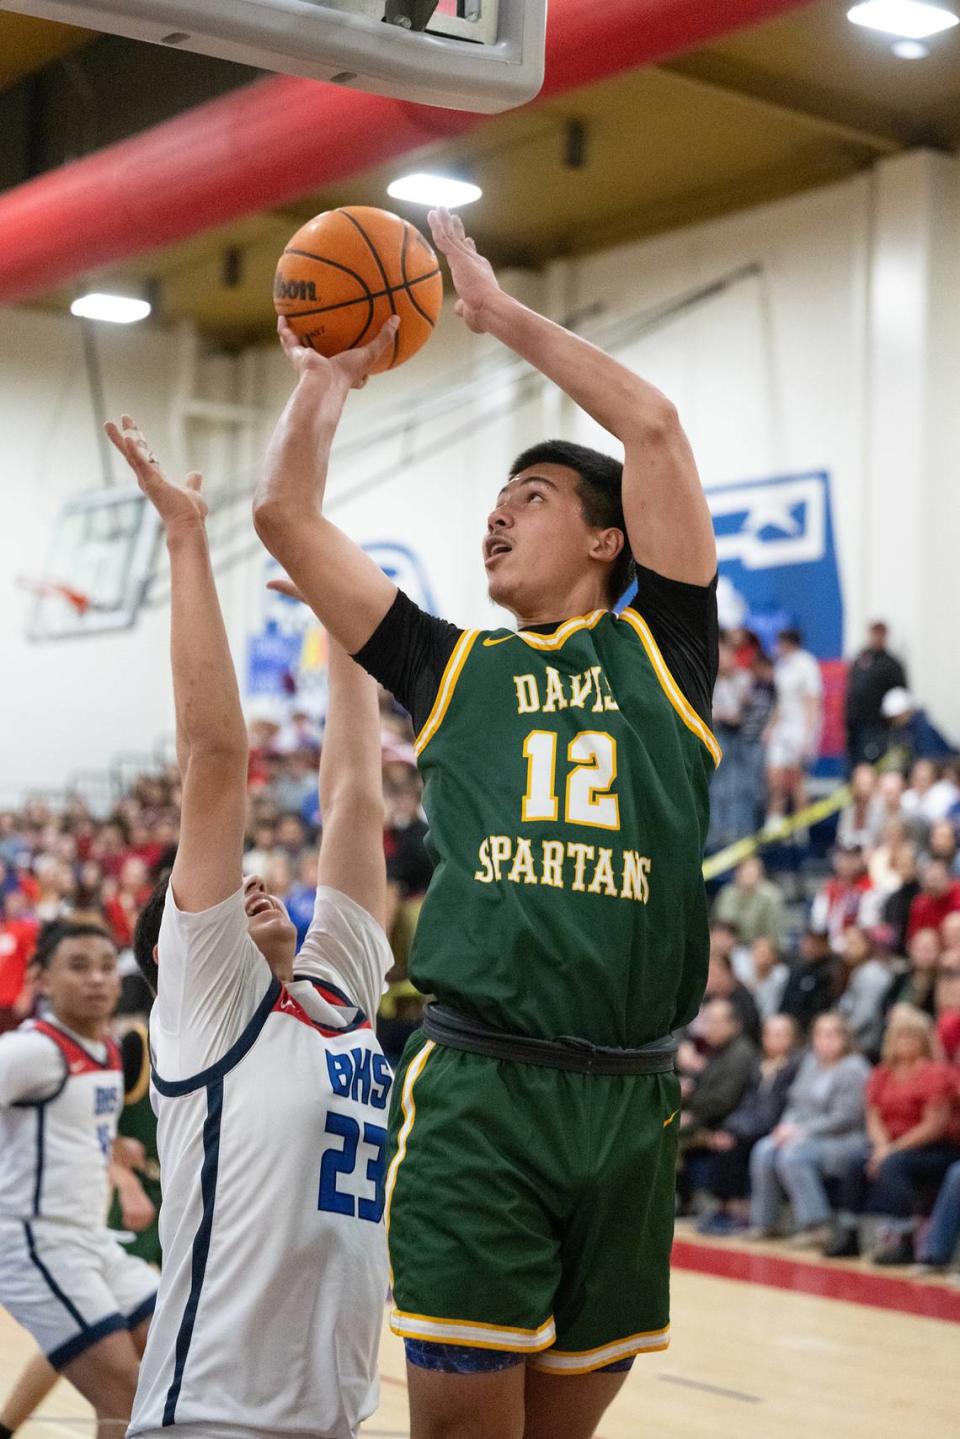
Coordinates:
<point>138,1121</point>
<point>566,785</point>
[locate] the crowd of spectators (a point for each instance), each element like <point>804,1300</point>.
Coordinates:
<point>768,715</point>
<point>821,1079</point>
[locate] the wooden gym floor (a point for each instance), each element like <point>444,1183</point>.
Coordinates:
<point>766,1345</point>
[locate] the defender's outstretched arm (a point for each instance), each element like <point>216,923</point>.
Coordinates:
<point>212,735</point>
<point>351,782</point>
<point>668,521</point>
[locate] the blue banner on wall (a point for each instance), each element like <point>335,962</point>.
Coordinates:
<point>778,559</point>
<point>288,655</point>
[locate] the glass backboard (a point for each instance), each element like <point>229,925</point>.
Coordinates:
<point>98,566</point>
<point>483,55</point>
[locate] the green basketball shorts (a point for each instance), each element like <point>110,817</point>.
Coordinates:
<point>531,1210</point>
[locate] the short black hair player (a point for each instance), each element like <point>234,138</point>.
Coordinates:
<point>566,766</point>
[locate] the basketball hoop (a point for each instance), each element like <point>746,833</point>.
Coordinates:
<point>52,589</point>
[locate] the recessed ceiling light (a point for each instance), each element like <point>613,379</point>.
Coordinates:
<point>118,309</point>
<point>423,189</point>
<point>910,19</point>
<point>910,50</point>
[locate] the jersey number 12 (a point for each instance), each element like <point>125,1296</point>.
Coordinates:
<point>589,797</point>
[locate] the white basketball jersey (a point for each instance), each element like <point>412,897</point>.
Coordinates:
<point>55,1147</point>
<point>275,1264</point>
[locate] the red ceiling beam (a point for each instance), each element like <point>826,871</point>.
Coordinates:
<point>271,142</point>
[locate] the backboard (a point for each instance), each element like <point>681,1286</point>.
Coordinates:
<point>98,566</point>
<point>483,55</point>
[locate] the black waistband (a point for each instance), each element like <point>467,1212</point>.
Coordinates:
<point>446,1026</point>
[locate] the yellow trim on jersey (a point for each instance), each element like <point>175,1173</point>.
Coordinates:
<point>670,687</point>
<point>409,1107</point>
<point>559,637</point>
<point>448,684</point>
<point>142,1082</point>
<point>561,1361</point>
<point>472,1334</point>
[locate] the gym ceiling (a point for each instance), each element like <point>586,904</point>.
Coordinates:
<point>790,104</point>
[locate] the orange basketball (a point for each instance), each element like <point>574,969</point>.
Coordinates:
<point>344,274</point>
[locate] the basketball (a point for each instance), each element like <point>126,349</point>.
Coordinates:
<point>345,272</point>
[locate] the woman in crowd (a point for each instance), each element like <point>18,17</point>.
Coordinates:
<point>947,1004</point>
<point>766,976</point>
<point>726,1173</point>
<point>865,979</point>
<point>942,844</point>
<point>917,984</point>
<point>882,864</point>
<point>821,1128</point>
<point>912,1138</point>
<point>861,820</point>
<point>899,900</point>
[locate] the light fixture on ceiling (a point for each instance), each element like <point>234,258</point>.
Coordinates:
<point>424,189</point>
<point>117,309</point>
<point>908,19</point>
<point>910,50</point>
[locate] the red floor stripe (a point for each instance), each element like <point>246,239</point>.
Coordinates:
<point>826,1281</point>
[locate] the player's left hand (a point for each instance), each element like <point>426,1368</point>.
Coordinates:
<point>177,505</point>
<point>473,277</point>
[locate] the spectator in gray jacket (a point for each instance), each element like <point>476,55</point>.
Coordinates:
<point>821,1128</point>
<point>865,982</point>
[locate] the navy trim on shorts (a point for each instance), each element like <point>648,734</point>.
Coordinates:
<point>49,1280</point>
<point>464,1359</point>
<point>61,1356</point>
<point>214,1075</point>
<point>143,1311</point>
<point>459,1358</point>
<point>201,1241</point>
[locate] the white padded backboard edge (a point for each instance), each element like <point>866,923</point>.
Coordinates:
<point>499,66</point>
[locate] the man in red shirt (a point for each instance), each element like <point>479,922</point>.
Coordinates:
<point>18,938</point>
<point>939,896</point>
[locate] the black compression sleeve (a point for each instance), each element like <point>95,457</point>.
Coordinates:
<point>408,653</point>
<point>683,619</point>
<point>131,1054</point>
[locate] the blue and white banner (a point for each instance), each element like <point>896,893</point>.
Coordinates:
<point>288,654</point>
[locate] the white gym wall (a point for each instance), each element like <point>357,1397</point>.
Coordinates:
<point>842,354</point>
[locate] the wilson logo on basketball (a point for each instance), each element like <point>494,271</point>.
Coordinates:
<point>345,272</point>
<point>293,289</point>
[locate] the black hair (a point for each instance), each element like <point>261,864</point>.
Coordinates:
<point>147,932</point>
<point>600,492</point>
<point>53,934</point>
<point>792,637</point>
